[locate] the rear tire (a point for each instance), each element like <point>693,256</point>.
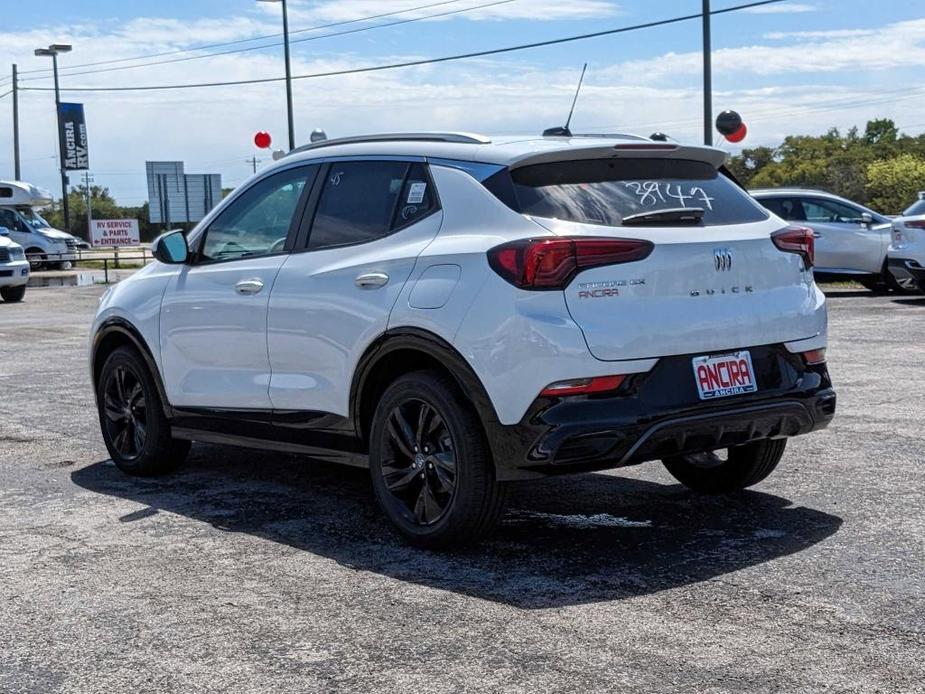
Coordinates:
<point>13,294</point>
<point>746,466</point>
<point>432,470</point>
<point>36,258</point>
<point>135,430</point>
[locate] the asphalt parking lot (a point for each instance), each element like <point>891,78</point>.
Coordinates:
<point>253,572</point>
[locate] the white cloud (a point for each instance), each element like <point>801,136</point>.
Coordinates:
<point>897,45</point>
<point>350,10</point>
<point>782,8</point>
<point>825,34</point>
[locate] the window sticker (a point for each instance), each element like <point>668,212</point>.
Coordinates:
<point>416,193</point>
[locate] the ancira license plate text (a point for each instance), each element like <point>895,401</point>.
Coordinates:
<point>724,375</point>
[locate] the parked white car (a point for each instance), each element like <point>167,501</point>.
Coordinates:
<point>455,312</point>
<point>44,245</point>
<point>14,269</point>
<point>907,250</point>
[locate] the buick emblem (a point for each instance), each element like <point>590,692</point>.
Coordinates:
<point>722,259</point>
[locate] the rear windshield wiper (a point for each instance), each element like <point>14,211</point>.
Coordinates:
<point>679,215</point>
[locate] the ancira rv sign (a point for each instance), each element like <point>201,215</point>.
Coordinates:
<point>73,128</point>
<point>114,232</point>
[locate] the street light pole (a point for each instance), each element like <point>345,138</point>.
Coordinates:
<point>64,200</point>
<point>288,72</point>
<point>707,77</point>
<point>53,50</point>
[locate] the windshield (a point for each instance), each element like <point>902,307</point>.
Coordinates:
<point>918,207</point>
<point>604,191</point>
<point>33,218</point>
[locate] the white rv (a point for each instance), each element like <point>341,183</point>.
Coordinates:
<point>44,245</point>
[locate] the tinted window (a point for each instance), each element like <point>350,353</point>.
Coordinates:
<point>366,200</point>
<point>257,222</point>
<point>785,208</point>
<point>8,219</point>
<point>918,207</point>
<point>604,191</point>
<point>818,210</point>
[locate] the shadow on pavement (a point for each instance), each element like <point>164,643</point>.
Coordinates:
<point>911,301</point>
<point>568,540</point>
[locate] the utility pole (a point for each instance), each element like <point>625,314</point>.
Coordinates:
<point>707,77</point>
<point>253,161</point>
<point>288,72</point>
<point>17,172</point>
<point>88,179</point>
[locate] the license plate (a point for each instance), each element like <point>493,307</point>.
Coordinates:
<point>722,375</point>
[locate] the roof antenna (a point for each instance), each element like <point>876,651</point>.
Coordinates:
<point>564,131</point>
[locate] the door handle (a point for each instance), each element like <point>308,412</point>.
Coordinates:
<point>372,280</point>
<point>250,286</point>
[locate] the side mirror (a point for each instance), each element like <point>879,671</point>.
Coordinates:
<point>4,231</point>
<point>867,219</point>
<point>170,248</point>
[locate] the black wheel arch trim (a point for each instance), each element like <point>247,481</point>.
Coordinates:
<point>418,339</point>
<point>124,328</point>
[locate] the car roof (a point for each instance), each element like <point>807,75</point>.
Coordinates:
<point>510,150</point>
<point>795,191</point>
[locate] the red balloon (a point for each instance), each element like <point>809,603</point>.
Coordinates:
<point>738,135</point>
<point>262,139</point>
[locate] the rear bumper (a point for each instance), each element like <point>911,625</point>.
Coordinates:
<point>905,269</point>
<point>658,414</point>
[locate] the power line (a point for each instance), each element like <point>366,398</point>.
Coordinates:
<point>255,38</point>
<point>425,61</point>
<point>273,45</point>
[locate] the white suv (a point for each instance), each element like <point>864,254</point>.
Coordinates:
<point>456,312</point>
<point>14,269</point>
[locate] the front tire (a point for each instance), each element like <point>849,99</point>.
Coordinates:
<point>13,294</point>
<point>432,471</point>
<point>135,430</point>
<point>745,466</point>
<point>36,258</point>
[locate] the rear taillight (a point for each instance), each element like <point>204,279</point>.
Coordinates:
<point>551,263</point>
<point>814,356</point>
<point>797,240</point>
<point>914,224</point>
<point>583,386</point>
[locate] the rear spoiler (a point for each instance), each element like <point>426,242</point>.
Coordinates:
<point>711,155</point>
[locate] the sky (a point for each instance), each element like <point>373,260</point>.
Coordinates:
<point>794,67</point>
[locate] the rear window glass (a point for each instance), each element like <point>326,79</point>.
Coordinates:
<point>918,207</point>
<point>604,191</point>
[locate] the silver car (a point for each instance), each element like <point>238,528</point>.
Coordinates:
<point>851,240</point>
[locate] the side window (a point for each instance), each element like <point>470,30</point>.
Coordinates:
<point>257,222</point>
<point>8,219</point>
<point>829,211</point>
<point>785,208</point>
<point>366,200</point>
<point>418,197</point>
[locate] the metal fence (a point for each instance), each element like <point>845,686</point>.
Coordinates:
<point>108,259</point>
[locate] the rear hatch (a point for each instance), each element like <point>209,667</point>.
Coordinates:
<point>714,280</point>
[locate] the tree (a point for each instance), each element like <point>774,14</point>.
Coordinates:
<point>839,163</point>
<point>893,184</point>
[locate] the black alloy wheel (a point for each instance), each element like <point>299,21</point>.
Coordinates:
<point>126,412</point>
<point>134,425</point>
<point>430,463</point>
<point>419,463</point>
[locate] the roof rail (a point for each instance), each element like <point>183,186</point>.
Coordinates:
<point>458,138</point>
